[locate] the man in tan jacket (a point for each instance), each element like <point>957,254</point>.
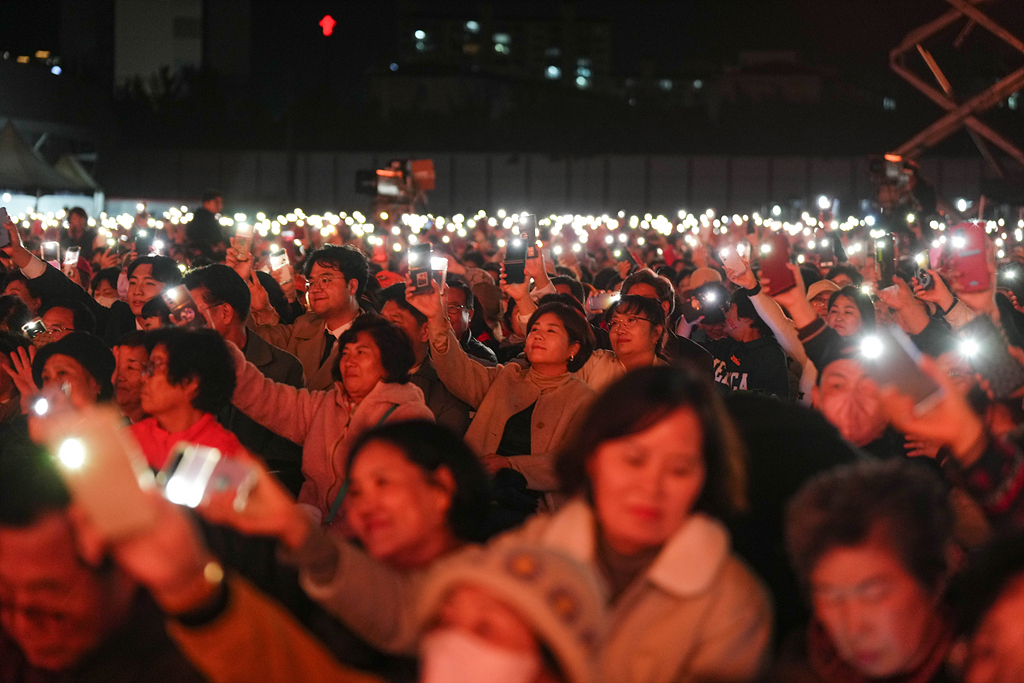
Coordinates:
<point>335,278</point>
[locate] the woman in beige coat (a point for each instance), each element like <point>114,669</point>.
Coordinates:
<point>655,462</point>
<point>523,415</point>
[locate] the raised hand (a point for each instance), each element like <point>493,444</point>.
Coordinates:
<point>429,303</point>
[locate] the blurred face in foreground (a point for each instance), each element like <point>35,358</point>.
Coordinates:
<point>849,403</point>
<point>397,510</point>
<point>480,635</point>
<point>880,619</point>
<point>997,649</point>
<point>646,484</point>
<point>53,606</point>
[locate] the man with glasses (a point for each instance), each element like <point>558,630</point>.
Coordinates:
<point>224,300</point>
<point>61,319</point>
<point>461,304</point>
<point>131,356</point>
<point>335,278</point>
<point>63,616</point>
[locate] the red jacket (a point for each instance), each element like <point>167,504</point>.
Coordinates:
<point>157,442</point>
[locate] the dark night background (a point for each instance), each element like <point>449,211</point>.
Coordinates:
<point>305,91</point>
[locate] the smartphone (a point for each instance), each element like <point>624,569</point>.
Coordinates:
<point>544,233</point>
<point>439,270</point>
<point>104,469</point>
<point>774,259</point>
<point>243,240</point>
<point>827,250</point>
<point>5,237</point>
<point>183,309</point>
<point>891,359</point>
<point>602,301</point>
<point>193,472</point>
<point>71,256</point>
<point>143,241</point>
<point>986,347</point>
<point>420,256</point>
<point>707,302</point>
<point>885,259</point>
<point>515,261</point>
<point>33,328</point>
<point>731,259</point>
<point>280,267</point>
<point>626,254</point>
<point>50,252</point>
<point>528,228</point>
<point>924,278</point>
<point>970,258</point>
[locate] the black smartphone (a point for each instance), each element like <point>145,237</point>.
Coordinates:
<point>528,228</point>
<point>626,254</point>
<point>707,301</point>
<point>984,344</point>
<point>515,261</point>
<point>143,241</point>
<point>419,266</point>
<point>891,359</point>
<point>183,309</point>
<point>885,259</point>
<point>826,250</point>
<point>5,237</point>
<point>544,233</point>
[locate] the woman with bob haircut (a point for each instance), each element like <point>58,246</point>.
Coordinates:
<point>371,388</point>
<point>652,467</point>
<point>523,415</point>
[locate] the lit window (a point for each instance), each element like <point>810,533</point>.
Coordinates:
<point>553,73</point>
<point>1013,101</point>
<point>698,84</point>
<point>55,70</point>
<point>583,71</point>
<point>420,35</point>
<point>473,27</point>
<point>582,82</point>
<point>501,49</point>
<point>502,39</point>
<point>665,84</point>
<point>889,104</point>
<point>394,66</point>
<point>420,46</point>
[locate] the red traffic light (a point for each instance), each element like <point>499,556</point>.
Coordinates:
<point>327,24</point>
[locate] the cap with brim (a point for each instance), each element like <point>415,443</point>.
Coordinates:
<point>821,286</point>
<point>703,276</point>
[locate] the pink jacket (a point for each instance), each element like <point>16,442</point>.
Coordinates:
<point>321,422</point>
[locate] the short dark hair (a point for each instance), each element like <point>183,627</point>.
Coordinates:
<point>861,300</point>
<point>349,261</point>
<point>30,485</point>
<point>133,339</point>
<point>661,284</point>
<point>574,285</point>
<point>463,287</point>
<point>81,317</point>
<point>396,294</point>
<point>211,194</point>
<point>78,211</point>
<point>847,506</point>
<point>14,312</point>
<point>431,446</point>
<point>18,276</point>
<point>202,354</point>
<point>576,327</point>
<point>640,399</point>
<point>165,269</point>
<point>11,342</point>
<point>224,286</point>
<point>109,275</point>
<point>745,309</point>
<point>640,305</point>
<point>157,308</point>
<point>396,355</point>
<point>849,271</point>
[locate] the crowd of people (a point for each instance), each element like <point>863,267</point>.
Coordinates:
<point>628,456</point>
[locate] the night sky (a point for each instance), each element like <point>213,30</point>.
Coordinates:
<point>853,36</point>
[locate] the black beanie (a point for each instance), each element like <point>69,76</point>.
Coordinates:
<point>89,351</point>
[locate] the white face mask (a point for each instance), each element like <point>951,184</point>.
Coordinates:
<point>105,301</point>
<point>455,656</point>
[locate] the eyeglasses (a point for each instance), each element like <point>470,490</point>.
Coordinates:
<point>323,281</point>
<point>455,309</point>
<point>150,368</point>
<point>57,329</point>
<point>627,323</point>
